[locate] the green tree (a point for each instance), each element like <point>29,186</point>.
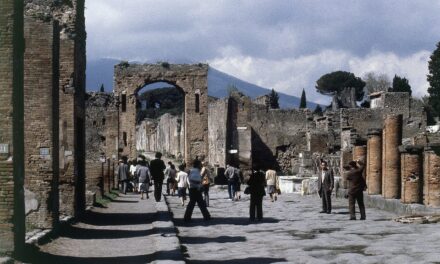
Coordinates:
<point>434,81</point>
<point>318,110</point>
<point>337,83</point>
<point>273,99</point>
<point>401,85</point>
<point>303,103</point>
<point>102,88</point>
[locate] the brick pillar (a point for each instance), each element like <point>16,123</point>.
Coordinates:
<point>374,162</point>
<point>411,162</point>
<point>12,228</point>
<point>41,93</point>
<point>392,138</point>
<point>431,178</point>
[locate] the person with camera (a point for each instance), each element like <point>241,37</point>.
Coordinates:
<point>356,188</point>
<point>326,183</point>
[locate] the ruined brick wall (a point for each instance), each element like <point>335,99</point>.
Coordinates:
<point>12,226</point>
<point>411,166</point>
<point>217,121</point>
<point>431,177</point>
<point>102,143</point>
<point>191,79</point>
<point>41,93</point>
<point>72,52</point>
<point>276,128</point>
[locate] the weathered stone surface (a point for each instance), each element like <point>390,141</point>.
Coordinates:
<point>191,79</point>
<point>374,162</point>
<point>392,139</point>
<point>411,164</point>
<point>431,178</point>
<point>41,96</point>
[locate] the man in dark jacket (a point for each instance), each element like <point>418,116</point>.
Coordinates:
<point>157,166</point>
<point>326,183</point>
<point>256,184</point>
<point>356,189</point>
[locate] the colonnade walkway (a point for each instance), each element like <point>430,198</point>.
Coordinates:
<point>131,230</point>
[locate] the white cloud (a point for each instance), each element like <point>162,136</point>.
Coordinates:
<point>291,75</point>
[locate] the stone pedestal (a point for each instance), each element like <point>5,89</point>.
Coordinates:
<point>431,178</point>
<point>392,139</point>
<point>374,162</point>
<point>411,162</point>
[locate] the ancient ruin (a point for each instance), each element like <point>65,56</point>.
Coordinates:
<point>66,155</point>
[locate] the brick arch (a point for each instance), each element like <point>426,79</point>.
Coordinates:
<point>192,80</point>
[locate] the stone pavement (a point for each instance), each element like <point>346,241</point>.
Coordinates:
<point>293,231</point>
<point>130,230</point>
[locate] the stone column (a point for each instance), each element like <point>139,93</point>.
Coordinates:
<point>431,178</point>
<point>392,139</point>
<point>374,162</point>
<point>41,93</point>
<point>411,162</point>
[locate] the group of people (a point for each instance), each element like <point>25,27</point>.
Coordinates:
<point>197,180</point>
<point>356,185</point>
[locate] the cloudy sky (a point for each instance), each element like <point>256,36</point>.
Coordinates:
<point>282,44</point>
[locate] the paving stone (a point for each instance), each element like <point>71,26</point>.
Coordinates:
<point>293,231</point>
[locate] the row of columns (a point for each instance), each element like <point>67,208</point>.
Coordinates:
<point>408,173</point>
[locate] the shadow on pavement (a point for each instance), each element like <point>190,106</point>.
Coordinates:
<point>242,261</point>
<point>223,221</point>
<point>36,256</point>
<point>105,219</point>
<point>220,239</point>
<point>84,233</point>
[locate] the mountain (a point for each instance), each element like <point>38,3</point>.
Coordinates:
<point>101,72</point>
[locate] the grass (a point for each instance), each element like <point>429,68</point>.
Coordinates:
<point>107,198</point>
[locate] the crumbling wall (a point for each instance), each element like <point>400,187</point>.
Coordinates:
<point>217,132</point>
<point>41,94</point>
<point>191,79</point>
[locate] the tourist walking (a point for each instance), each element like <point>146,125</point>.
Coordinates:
<point>230,176</point>
<point>144,178</point>
<point>356,188</point>
<point>326,183</point>
<point>256,184</point>
<point>170,173</point>
<point>134,181</point>
<point>157,166</point>
<point>123,172</point>
<point>238,181</point>
<point>195,194</point>
<point>182,183</point>
<point>273,184</point>
<point>206,181</point>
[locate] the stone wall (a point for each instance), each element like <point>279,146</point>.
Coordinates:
<point>102,143</point>
<point>191,79</point>
<point>41,94</point>
<point>217,121</point>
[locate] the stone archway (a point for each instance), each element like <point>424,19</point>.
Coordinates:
<point>192,79</point>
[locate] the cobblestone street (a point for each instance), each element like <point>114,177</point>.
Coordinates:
<point>132,230</point>
<point>293,231</point>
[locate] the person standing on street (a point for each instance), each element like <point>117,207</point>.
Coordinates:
<point>230,177</point>
<point>157,166</point>
<point>206,181</point>
<point>273,184</point>
<point>195,194</point>
<point>356,189</point>
<point>144,178</point>
<point>256,184</point>
<point>123,172</point>
<point>326,183</point>
<point>182,183</point>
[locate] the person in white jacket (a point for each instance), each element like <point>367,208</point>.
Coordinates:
<point>182,183</point>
